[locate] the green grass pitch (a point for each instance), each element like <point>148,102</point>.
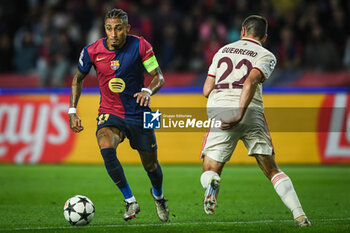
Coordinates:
<point>32,199</point>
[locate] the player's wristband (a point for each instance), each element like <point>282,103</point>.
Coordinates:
<point>72,110</point>
<point>147,90</point>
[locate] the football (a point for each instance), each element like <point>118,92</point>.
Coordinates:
<point>79,210</point>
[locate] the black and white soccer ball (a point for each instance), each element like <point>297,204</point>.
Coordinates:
<point>79,210</point>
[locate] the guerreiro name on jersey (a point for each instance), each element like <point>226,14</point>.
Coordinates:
<point>231,66</point>
<point>120,74</point>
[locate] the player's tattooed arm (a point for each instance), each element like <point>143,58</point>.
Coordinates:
<point>248,91</point>
<point>157,82</point>
<point>77,84</point>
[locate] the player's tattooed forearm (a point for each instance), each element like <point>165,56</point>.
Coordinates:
<point>77,85</point>
<point>80,77</point>
<point>158,80</point>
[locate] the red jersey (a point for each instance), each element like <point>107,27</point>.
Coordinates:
<point>120,75</point>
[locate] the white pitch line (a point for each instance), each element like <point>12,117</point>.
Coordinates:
<point>171,224</point>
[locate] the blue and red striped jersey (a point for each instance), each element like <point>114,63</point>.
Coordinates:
<point>120,75</point>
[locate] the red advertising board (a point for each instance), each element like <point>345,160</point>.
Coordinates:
<point>34,129</point>
<point>334,129</point>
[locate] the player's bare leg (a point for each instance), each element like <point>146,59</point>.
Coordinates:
<point>109,137</point>
<point>210,180</point>
<point>210,164</point>
<point>154,172</point>
<point>284,188</point>
<point>108,140</point>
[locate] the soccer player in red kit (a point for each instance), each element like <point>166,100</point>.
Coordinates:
<point>120,61</point>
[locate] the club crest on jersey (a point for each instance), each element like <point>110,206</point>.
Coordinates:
<point>115,64</point>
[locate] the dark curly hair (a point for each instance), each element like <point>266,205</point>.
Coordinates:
<point>117,13</point>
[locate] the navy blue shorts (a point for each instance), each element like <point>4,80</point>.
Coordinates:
<point>139,138</point>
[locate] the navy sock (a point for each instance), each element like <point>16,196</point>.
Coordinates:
<point>115,171</point>
<point>156,178</point>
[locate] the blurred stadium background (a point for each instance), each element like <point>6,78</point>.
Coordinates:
<point>40,42</point>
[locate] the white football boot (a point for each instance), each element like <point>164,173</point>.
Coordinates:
<point>210,196</point>
<point>162,208</point>
<point>302,221</point>
<point>131,209</point>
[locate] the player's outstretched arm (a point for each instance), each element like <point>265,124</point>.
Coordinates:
<point>74,119</point>
<point>144,96</point>
<point>248,91</point>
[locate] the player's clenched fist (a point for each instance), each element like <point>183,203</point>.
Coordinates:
<point>75,123</point>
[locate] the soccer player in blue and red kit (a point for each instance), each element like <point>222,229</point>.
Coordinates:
<point>120,61</point>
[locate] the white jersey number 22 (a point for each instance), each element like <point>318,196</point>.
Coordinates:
<point>229,70</point>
